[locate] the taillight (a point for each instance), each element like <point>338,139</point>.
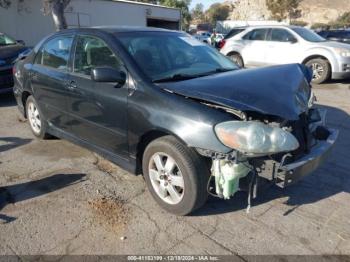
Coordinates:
<point>14,70</point>
<point>222,43</point>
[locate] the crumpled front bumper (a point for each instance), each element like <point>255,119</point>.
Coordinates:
<point>292,172</point>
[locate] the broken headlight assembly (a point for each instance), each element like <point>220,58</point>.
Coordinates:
<point>254,138</point>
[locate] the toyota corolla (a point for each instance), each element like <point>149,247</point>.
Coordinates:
<point>162,104</point>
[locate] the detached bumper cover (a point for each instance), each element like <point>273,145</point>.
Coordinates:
<point>291,173</point>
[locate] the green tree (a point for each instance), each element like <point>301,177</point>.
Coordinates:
<point>342,21</point>
<point>183,5</point>
<point>299,23</point>
<point>344,18</point>
<point>197,13</point>
<point>54,7</point>
<point>284,9</point>
<point>320,26</point>
<point>217,12</point>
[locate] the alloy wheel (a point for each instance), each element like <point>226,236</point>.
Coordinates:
<point>166,178</point>
<point>34,117</point>
<point>318,71</point>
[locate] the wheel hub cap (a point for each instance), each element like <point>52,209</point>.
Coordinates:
<point>34,117</point>
<point>166,178</point>
<point>317,70</point>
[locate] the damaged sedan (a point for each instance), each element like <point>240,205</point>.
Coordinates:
<point>162,104</point>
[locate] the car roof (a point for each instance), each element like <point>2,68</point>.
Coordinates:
<point>118,29</point>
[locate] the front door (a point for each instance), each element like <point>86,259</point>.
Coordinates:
<point>283,47</point>
<point>49,74</point>
<point>255,47</point>
<point>98,111</point>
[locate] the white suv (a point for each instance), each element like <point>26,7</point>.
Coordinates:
<point>270,45</point>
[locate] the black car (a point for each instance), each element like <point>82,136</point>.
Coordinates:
<point>162,104</point>
<point>9,51</point>
<point>342,36</point>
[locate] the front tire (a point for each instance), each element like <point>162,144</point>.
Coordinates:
<point>35,118</point>
<point>237,59</point>
<point>175,175</point>
<point>321,70</point>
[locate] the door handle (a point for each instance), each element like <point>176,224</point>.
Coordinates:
<point>71,85</point>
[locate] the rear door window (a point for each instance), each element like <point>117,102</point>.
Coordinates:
<point>256,35</point>
<point>55,53</point>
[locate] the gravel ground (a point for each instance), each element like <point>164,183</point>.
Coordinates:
<point>57,198</point>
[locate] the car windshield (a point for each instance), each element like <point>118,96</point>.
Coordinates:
<point>5,40</point>
<point>308,35</point>
<point>173,56</point>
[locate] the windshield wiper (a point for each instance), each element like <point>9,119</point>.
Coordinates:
<point>180,77</point>
<point>176,77</point>
<point>217,70</point>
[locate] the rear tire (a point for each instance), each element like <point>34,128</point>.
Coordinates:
<point>321,70</point>
<point>237,59</point>
<point>169,165</point>
<point>35,118</point>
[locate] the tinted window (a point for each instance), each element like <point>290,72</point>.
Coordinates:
<point>91,52</point>
<point>234,32</point>
<point>281,35</point>
<point>256,35</point>
<point>55,53</point>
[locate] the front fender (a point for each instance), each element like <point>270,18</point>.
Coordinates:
<point>189,120</point>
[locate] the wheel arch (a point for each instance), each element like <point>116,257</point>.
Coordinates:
<point>148,138</point>
<point>310,57</point>
<point>25,95</point>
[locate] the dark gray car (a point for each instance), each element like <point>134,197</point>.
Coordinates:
<point>162,104</point>
<point>10,50</point>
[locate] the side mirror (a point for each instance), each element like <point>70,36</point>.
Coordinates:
<point>108,75</point>
<point>21,42</point>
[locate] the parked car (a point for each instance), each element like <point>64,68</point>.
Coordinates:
<point>272,45</point>
<point>10,49</point>
<point>162,104</point>
<point>203,37</point>
<point>342,36</point>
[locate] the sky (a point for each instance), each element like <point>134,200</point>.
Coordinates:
<point>206,3</point>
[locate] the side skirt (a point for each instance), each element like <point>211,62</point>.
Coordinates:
<point>126,164</point>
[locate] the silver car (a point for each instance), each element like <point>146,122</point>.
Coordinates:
<point>270,45</point>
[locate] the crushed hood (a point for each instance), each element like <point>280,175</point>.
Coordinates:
<point>278,90</point>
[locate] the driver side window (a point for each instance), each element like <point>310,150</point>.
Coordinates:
<point>91,52</point>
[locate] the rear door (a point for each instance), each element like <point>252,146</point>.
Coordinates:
<point>255,47</point>
<point>49,74</point>
<point>98,111</point>
<point>283,47</point>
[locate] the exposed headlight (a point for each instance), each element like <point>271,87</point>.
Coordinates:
<point>255,138</point>
<point>343,52</point>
